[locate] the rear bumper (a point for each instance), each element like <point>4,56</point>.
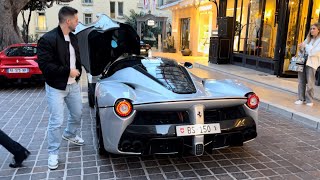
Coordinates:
<point>162,139</point>
<point>34,72</point>
<point>136,134</point>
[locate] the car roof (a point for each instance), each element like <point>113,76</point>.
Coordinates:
<point>103,23</point>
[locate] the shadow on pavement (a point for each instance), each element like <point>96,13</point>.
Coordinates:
<point>21,84</point>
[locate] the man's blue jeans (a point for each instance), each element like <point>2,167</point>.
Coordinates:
<point>56,98</point>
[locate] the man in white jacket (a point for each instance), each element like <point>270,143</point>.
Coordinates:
<point>311,48</point>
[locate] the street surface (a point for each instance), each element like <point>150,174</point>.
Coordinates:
<point>282,150</point>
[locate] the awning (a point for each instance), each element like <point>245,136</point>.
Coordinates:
<point>166,6</point>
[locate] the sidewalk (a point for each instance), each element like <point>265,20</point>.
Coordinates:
<point>276,94</point>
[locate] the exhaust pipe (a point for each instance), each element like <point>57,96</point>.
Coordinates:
<point>197,145</point>
<point>137,146</point>
<point>126,145</point>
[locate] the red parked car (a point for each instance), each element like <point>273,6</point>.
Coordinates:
<point>18,61</point>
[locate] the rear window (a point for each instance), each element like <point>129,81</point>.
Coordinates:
<point>22,51</point>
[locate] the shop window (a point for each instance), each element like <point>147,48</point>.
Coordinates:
<point>293,27</point>
<point>41,22</point>
<point>269,29</point>
<point>240,25</point>
<point>112,9</point>
<point>160,3</point>
<point>87,18</point>
<point>205,28</point>
<point>315,12</point>
<point>120,8</point>
<point>230,8</point>
<point>255,27</point>
<point>185,33</point>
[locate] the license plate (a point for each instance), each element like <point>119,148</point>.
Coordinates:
<point>142,50</point>
<point>197,129</point>
<point>18,70</point>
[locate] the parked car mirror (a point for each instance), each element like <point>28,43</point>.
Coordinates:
<point>188,65</point>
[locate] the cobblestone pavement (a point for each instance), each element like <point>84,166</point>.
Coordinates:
<point>282,150</point>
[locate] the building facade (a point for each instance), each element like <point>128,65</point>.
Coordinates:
<point>265,32</point>
<point>43,21</point>
<point>193,22</point>
<point>269,31</point>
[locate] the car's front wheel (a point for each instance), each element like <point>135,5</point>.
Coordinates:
<point>100,145</point>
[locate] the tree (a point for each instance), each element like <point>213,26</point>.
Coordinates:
<point>132,18</point>
<point>146,31</point>
<point>10,9</point>
<point>31,6</point>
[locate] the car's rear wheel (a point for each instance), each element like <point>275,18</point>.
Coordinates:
<point>100,145</point>
<point>91,89</point>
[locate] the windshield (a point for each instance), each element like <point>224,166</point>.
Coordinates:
<point>28,51</point>
<point>165,72</point>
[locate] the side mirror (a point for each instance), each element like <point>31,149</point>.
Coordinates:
<point>188,65</point>
<point>114,44</point>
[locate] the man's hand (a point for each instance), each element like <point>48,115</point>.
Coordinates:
<point>74,73</point>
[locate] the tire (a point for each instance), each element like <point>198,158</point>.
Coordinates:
<point>100,145</point>
<point>91,89</point>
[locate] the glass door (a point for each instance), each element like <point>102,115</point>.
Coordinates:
<point>296,24</point>
<point>315,16</point>
<point>185,33</point>
<point>205,28</point>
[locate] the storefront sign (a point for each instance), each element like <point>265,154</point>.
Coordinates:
<point>150,22</point>
<point>186,3</point>
<point>205,8</point>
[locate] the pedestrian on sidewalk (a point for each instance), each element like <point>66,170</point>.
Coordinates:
<point>59,61</point>
<point>311,49</point>
<point>19,152</point>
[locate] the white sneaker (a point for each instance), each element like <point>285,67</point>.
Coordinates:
<point>310,104</point>
<point>298,102</point>
<point>75,140</point>
<point>53,161</point>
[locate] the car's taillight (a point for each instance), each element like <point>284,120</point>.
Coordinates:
<point>123,108</point>
<point>252,101</point>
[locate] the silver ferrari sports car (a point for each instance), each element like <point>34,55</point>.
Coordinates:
<point>152,105</point>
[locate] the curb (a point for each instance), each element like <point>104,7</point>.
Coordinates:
<point>301,118</point>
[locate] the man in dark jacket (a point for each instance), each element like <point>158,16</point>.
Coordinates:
<point>59,61</point>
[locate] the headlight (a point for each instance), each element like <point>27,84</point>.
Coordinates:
<point>123,108</point>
